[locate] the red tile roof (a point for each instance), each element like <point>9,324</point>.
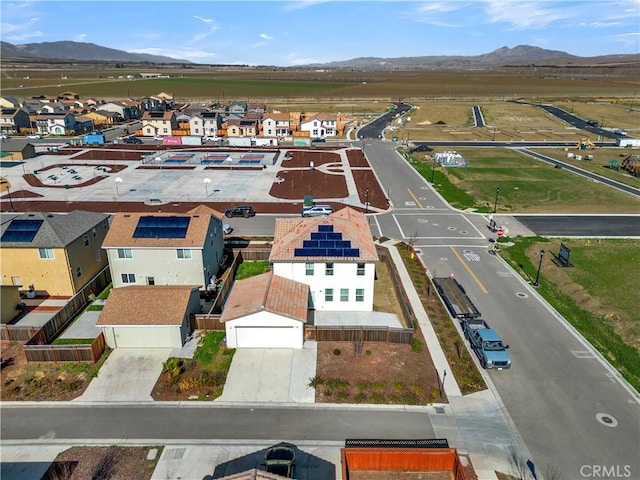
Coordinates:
<point>146,305</point>
<point>291,232</point>
<point>269,293</point>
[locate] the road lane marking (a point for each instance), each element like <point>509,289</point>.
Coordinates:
<point>414,197</point>
<point>473,275</point>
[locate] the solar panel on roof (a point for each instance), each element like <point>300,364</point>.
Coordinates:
<point>20,230</point>
<point>334,236</point>
<point>309,244</point>
<point>351,252</point>
<point>343,243</point>
<point>161,227</point>
<point>318,236</point>
<point>334,252</point>
<point>325,228</point>
<point>326,244</point>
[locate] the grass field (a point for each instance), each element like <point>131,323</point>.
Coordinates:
<point>263,84</point>
<point>608,115</point>
<point>526,185</point>
<point>594,295</point>
<point>601,162</point>
<point>452,120</point>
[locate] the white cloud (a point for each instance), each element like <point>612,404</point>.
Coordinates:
<point>21,37</point>
<point>205,20</point>
<point>437,14</point>
<point>81,37</point>
<point>198,37</point>
<point>523,15</point>
<point>266,36</point>
<point>628,39</point>
<point>299,5</point>
<point>13,27</point>
<point>600,24</point>
<point>438,7</point>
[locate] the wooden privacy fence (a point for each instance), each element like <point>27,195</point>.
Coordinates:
<point>402,460</point>
<point>345,333</point>
<point>16,333</point>
<point>401,294</point>
<point>254,254</point>
<point>206,322</point>
<point>78,353</point>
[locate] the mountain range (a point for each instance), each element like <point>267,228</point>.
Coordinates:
<point>521,55</point>
<point>80,51</point>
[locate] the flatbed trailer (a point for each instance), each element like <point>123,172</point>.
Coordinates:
<point>455,298</point>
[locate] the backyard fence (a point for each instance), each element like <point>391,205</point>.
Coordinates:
<point>206,322</point>
<point>347,333</point>
<point>401,295</point>
<point>78,353</point>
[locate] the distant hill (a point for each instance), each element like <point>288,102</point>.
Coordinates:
<point>80,51</point>
<point>505,56</point>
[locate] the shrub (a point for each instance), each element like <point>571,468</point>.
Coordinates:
<point>337,383</point>
<point>368,352</point>
<point>360,397</point>
<point>336,351</point>
<point>416,345</point>
<point>377,397</point>
<point>316,381</point>
<point>343,394</point>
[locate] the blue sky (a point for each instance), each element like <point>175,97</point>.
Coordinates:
<point>287,33</point>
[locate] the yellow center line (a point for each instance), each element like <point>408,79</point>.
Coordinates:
<point>414,197</point>
<point>473,275</point>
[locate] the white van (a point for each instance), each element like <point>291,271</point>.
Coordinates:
<point>317,210</point>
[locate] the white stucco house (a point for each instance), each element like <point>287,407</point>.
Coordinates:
<point>321,125</point>
<point>335,255</point>
<point>266,311</point>
<point>165,248</point>
<point>276,125</point>
<point>148,316</point>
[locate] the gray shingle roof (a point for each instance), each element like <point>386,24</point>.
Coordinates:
<point>57,230</point>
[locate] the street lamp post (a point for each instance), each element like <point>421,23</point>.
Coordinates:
<point>118,180</point>
<point>10,199</point>
<point>495,204</point>
<point>433,170</point>
<point>535,284</point>
<point>206,182</point>
<point>366,200</point>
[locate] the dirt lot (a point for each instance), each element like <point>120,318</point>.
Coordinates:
<point>115,463</point>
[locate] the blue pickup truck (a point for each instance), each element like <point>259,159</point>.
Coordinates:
<point>487,344</point>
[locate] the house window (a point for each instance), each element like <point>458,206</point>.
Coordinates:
<point>128,277</point>
<point>125,253</point>
<point>344,294</point>
<point>360,271</point>
<point>328,269</point>
<point>94,232</point>
<point>359,294</point>
<point>78,271</point>
<point>308,269</point>
<point>151,281</point>
<point>328,294</point>
<point>184,253</point>
<point>46,253</point>
<point>98,256</point>
<point>85,237</point>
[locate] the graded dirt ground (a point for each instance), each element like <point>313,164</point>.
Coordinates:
<point>114,463</point>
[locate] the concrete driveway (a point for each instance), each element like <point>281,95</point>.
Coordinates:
<point>128,375</point>
<point>271,375</point>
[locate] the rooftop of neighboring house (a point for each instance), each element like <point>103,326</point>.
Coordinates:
<point>292,237</point>
<point>153,305</point>
<point>162,230</point>
<point>270,293</point>
<point>47,230</point>
<point>164,115</point>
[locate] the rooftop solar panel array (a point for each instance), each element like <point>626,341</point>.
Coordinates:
<point>161,227</point>
<point>20,230</point>
<point>326,243</point>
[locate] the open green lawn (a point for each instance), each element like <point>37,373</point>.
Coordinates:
<point>526,185</point>
<point>250,269</point>
<point>597,295</point>
<point>602,161</point>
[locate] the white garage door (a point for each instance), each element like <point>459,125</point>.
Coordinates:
<point>267,337</point>
<point>146,337</point>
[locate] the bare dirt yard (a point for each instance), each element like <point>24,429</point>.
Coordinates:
<point>114,463</point>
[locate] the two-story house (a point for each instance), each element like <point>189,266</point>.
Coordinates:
<point>335,255</point>
<point>276,125</point>
<point>55,123</point>
<point>159,123</point>
<point>56,253</point>
<point>164,248</point>
<point>12,120</point>
<point>242,128</point>
<point>321,125</point>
